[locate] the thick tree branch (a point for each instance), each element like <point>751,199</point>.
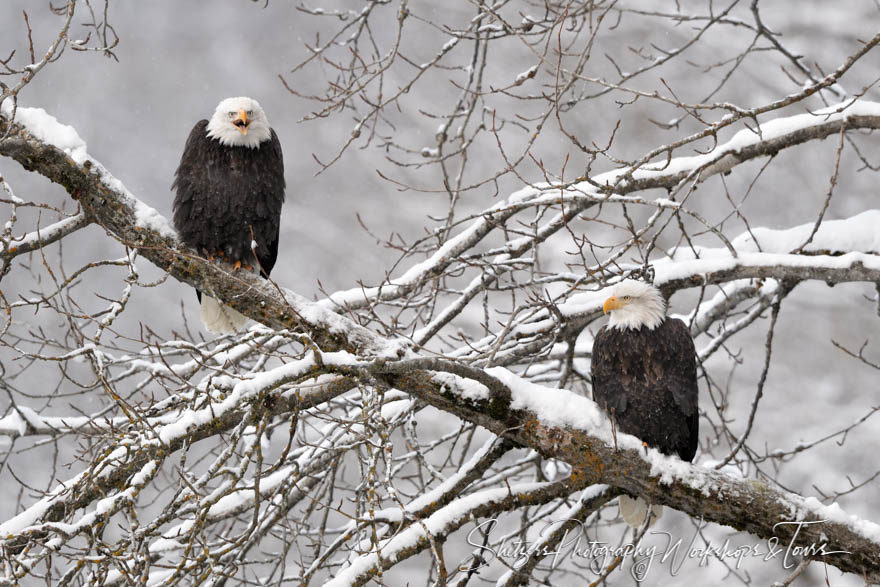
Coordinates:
<point>562,425</point>
<point>744,504</point>
<point>135,225</point>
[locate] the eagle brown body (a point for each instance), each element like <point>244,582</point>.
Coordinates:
<point>646,381</point>
<point>645,378</point>
<point>229,196</point>
<point>229,193</point>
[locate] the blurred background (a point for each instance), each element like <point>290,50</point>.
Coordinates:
<point>174,62</point>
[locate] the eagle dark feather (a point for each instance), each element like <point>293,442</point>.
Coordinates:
<point>224,193</point>
<point>646,381</point>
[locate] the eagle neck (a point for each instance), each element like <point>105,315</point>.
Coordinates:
<point>648,318</point>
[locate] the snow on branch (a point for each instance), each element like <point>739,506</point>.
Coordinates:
<point>841,251</point>
<point>767,139</point>
<point>556,423</point>
<point>164,433</point>
<point>42,236</point>
<point>23,421</point>
<point>41,144</point>
<point>569,427</point>
<point>442,523</point>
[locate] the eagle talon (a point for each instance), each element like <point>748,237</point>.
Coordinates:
<point>237,266</point>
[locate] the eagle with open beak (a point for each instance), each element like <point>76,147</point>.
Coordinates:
<point>242,122</point>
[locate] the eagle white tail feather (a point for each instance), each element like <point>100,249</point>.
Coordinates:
<point>634,509</point>
<point>221,319</point>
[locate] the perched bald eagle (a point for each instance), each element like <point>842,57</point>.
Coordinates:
<point>230,188</point>
<point>644,376</point>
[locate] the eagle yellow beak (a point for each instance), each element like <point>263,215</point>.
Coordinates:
<point>612,303</point>
<point>242,122</point>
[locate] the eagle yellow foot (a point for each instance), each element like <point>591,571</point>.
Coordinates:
<point>237,266</point>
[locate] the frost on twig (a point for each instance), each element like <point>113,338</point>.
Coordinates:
<point>415,418</point>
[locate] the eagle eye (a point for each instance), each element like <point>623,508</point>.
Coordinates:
<point>250,113</point>
<point>626,298</point>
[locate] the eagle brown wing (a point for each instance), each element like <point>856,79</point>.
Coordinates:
<point>227,197</point>
<point>646,380</point>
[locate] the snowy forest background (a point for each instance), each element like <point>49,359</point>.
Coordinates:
<point>372,195</point>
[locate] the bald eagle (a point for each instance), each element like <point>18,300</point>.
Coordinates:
<point>229,191</point>
<point>645,378</point>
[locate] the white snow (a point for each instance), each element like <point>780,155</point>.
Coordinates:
<point>856,233</point>
<point>150,218</point>
<point>29,516</point>
<point>671,469</point>
<point>836,514</point>
<point>581,303</point>
<point>16,422</point>
<point>838,244</point>
<point>555,470</point>
<point>560,408</point>
<point>721,155</point>
<point>527,74</point>
<point>713,260</point>
<point>228,503</point>
<point>437,523</point>
<point>464,388</point>
<point>449,250</point>
<point>46,128</point>
<point>727,296</point>
<point>528,192</point>
<point>242,390</point>
<point>109,504</point>
<point>554,407</point>
<point>768,130</point>
<point>12,424</point>
<point>425,499</point>
<point>47,233</point>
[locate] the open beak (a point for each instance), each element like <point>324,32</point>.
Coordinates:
<point>612,303</point>
<point>242,122</point>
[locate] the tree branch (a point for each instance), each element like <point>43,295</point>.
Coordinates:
<point>556,423</point>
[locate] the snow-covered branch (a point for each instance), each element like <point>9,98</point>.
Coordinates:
<point>556,423</point>
<point>41,144</point>
<point>369,427</point>
<point>42,236</point>
<point>614,187</point>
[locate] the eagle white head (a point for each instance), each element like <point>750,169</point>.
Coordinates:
<point>239,122</point>
<point>634,304</point>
